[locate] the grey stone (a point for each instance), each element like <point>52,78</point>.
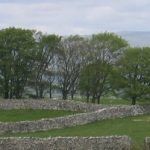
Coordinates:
<point>98,113</point>
<point>147,143</point>
<point>67,143</point>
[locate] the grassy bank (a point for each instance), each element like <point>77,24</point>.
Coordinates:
<point>114,101</point>
<point>30,114</point>
<point>136,127</point>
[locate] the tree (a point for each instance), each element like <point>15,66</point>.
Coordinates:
<point>69,64</point>
<point>104,50</point>
<point>93,80</point>
<point>132,74</point>
<point>50,75</point>
<point>16,53</point>
<point>48,45</point>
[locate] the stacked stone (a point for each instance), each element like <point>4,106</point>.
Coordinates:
<point>67,143</point>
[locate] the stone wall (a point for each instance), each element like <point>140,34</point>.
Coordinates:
<point>71,120</point>
<point>145,108</point>
<point>49,104</point>
<point>147,143</point>
<point>67,143</point>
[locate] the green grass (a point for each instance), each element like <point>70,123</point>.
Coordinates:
<point>136,127</point>
<point>30,114</point>
<point>114,101</point>
<point>107,101</point>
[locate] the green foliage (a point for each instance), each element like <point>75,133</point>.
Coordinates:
<point>94,78</point>
<point>47,47</point>
<point>135,127</point>
<point>132,74</point>
<point>109,41</point>
<point>94,66</point>
<point>30,114</point>
<point>16,54</point>
<point>70,62</point>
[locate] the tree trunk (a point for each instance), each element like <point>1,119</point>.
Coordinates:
<point>72,95</point>
<point>50,93</point>
<point>37,91</point>
<point>41,93</point>
<point>65,95</point>
<point>17,92</point>
<point>11,90</point>
<point>93,99</point>
<point>133,100</point>
<point>6,94</point>
<point>6,91</point>
<point>87,97</point>
<point>11,93</point>
<point>98,100</point>
<point>50,90</point>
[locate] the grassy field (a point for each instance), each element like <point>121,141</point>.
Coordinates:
<point>30,114</point>
<point>136,127</point>
<point>110,101</point>
<point>114,101</point>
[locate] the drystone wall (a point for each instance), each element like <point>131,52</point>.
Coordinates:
<point>67,143</point>
<point>72,120</point>
<point>147,143</point>
<point>49,104</point>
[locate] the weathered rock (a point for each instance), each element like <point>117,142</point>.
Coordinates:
<point>147,143</point>
<point>71,120</point>
<point>67,143</point>
<point>49,104</point>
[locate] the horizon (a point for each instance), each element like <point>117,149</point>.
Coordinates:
<point>115,32</point>
<point>134,38</point>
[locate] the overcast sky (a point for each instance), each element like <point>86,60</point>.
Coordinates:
<point>76,16</point>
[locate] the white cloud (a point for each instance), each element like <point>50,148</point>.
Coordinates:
<point>76,17</point>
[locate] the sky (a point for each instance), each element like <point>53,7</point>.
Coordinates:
<point>83,17</point>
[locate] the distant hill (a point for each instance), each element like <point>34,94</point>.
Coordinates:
<point>136,38</point>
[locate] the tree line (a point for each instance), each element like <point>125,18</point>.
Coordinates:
<point>33,64</point>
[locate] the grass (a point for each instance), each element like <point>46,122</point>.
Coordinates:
<point>106,101</point>
<point>110,101</point>
<point>136,127</point>
<point>114,101</point>
<point>30,114</point>
<point>117,101</point>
